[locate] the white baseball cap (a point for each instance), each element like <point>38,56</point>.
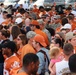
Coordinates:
<point>18,20</point>
<point>67,26</point>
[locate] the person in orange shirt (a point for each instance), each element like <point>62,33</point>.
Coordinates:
<point>52,12</point>
<point>12,61</point>
<point>29,67</point>
<point>28,48</point>
<point>35,9</point>
<point>41,11</point>
<point>36,28</point>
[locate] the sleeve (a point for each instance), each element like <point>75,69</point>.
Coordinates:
<point>41,61</point>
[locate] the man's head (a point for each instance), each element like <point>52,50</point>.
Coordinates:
<point>4,14</point>
<point>30,35</point>
<point>68,49</point>
<point>72,63</point>
<point>41,8</point>
<point>31,63</point>
<point>71,38</point>
<point>9,48</point>
<point>4,34</point>
<point>41,24</point>
<point>57,18</point>
<point>39,41</point>
<point>19,22</point>
<point>34,24</point>
<point>9,17</point>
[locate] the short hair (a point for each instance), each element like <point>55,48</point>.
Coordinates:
<point>68,49</point>
<point>41,7</point>
<point>29,58</point>
<point>58,41</point>
<point>30,34</point>
<point>5,33</point>
<point>5,12</point>
<point>72,63</point>
<point>11,45</point>
<point>64,21</point>
<point>70,17</point>
<point>9,16</point>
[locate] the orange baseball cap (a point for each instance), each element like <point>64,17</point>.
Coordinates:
<point>34,22</point>
<point>40,39</point>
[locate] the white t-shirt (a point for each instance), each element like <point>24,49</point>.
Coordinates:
<point>62,67</point>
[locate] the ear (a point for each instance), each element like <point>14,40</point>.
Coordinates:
<point>32,64</point>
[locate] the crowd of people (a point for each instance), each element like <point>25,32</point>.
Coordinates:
<point>36,41</point>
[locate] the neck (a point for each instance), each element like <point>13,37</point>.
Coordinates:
<point>4,38</point>
<point>67,57</point>
<point>21,46</point>
<point>25,70</point>
<point>29,43</point>
<point>38,48</point>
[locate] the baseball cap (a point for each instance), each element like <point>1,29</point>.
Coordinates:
<point>18,20</point>
<point>40,39</point>
<point>69,36</point>
<point>67,26</point>
<point>34,22</point>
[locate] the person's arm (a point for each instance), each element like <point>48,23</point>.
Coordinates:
<point>41,62</point>
<point>54,69</point>
<point>50,68</point>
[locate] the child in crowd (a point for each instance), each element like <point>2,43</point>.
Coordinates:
<point>55,57</point>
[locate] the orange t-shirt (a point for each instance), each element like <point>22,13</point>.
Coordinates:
<point>41,13</point>
<point>11,63</point>
<point>5,23</point>
<point>73,25</point>
<point>27,49</point>
<point>22,73</point>
<point>38,31</point>
<point>51,13</point>
<point>19,52</point>
<point>35,10</point>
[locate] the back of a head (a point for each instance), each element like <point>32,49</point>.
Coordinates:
<point>15,31</point>
<point>5,33</point>
<point>68,49</point>
<point>58,41</point>
<point>9,16</point>
<point>11,45</point>
<point>30,34</point>
<point>29,58</point>
<point>41,7</point>
<point>72,63</point>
